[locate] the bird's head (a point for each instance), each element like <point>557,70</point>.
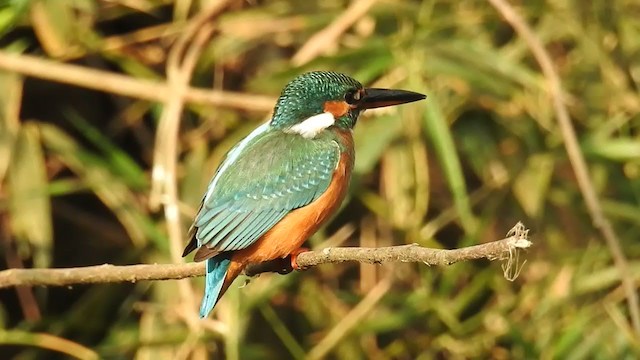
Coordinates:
<point>317,100</point>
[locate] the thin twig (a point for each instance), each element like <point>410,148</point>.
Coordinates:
<point>49,342</point>
<point>500,249</point>
<point>123,85</point>
<point>350,321</point>
<point>26,297</point>
<point>164,187</point>
<point>576,158</point>
<point>328,36</point>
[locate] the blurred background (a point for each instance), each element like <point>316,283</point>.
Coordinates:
<point>167,87</point>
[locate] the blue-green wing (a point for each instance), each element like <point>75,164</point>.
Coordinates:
<point>272,175</point>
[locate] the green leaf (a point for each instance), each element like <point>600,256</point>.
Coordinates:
<point>29,203</point>
<point>11,12</point>
<point>195,179</point>
<point>111,189</point>
<point>63,27</point>
<point>616,149</point>
<point>372,137</point>
<point>437,130</point>
<point>532,183</point>
<point>120,163</point>
<point>11,88</point>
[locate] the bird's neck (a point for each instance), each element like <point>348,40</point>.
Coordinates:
<point>344,138</point>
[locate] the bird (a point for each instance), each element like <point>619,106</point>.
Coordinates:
<point>279,184</point>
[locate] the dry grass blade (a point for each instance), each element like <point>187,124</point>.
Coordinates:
<point>328,36</point>
<point>578,162</point>
<point>164,189</point>
<point>350,321</point>
<point>11,86</point>
<point>125,85</point>
<point>47,341</point>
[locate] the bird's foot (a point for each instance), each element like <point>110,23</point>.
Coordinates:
<point>280,266</point>
<point>294,258</point>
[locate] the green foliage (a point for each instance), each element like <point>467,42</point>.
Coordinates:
<point>481,153</point>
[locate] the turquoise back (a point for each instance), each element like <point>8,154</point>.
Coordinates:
<point>273,173</point>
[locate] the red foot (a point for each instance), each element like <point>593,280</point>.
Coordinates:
<point>294,257</point>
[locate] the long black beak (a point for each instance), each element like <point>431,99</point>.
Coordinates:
<point>375,98</point>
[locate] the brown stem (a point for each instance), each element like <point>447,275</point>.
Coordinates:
<point>26,298</point>
<point>152,90</point>
<point>578,163</point>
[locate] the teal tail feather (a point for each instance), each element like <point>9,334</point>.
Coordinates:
<point>217,268</point>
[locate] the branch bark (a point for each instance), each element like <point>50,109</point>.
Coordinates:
<point>507,248</point>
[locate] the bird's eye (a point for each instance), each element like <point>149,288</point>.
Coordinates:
<point>352,97</point>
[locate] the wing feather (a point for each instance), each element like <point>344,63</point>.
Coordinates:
<point>274,174</point>
<point>262,225</point>
<point>225,231</point>
<point>214,224</point>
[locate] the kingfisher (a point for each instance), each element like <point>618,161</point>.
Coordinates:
<point>278,185</point>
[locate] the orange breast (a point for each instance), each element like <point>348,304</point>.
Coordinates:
<point>295,228</point>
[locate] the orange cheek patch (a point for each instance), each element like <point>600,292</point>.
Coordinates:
<point>337,108</point>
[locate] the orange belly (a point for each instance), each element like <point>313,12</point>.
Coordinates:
<point>297,226</point>
<point>294,229</point>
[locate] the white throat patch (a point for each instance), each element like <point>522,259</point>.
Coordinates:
<point>312,126</point>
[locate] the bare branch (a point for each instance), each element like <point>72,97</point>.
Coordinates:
<point>99,274</point>
<point>152,90</point>
<point>322,40</point>
<point>501,249</point>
